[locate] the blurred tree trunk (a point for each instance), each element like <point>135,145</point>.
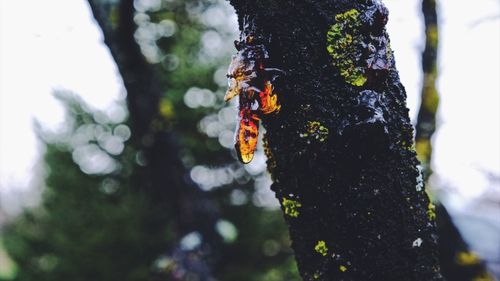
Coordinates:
<point>163,175</point>
<point>426,120</point>
<point>457,261</point>
<point>340,150</point>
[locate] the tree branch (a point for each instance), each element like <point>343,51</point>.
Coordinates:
<point>426,121</point>
<point>139,77</point>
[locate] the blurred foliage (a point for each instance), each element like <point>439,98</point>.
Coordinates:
<point>8,269</point>
<point>92,225</point>
<point>95,224</point>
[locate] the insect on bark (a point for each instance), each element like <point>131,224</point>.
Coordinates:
<point>251,80</point>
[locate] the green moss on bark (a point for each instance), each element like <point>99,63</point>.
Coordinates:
<point>341,45</point>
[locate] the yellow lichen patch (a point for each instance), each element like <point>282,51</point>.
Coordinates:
<point>114,16</point>
<point>432,35</point>
<point>407,145</point>
<point>166,109</point>
<point>467,258</point>
<point>341,46</point>
<point>351,14</point>
<point>321,248</point>
<point>430,97</point>
<point>424,150</point>
<point>316,130</point>
<point>291,207</point>
<point>358,80</point>
<point>431,211</point>
<point>342,268</point>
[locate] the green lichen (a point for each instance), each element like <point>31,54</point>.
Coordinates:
<point>341,45</point>
<point>342,268</point>
<point>424,150</point>
<point>114,17</point>
<point>291,207</point>
<point>166,109</point>
<point>321,248</point>
<point>430,96</point>
<point>408,145</point>
<point>432,35</point>
<point>431,211</point>
<point>467,258</point>
<point>316,130</point>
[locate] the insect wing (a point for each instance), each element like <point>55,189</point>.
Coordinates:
<point>247,135</point>
<point>268,100</point>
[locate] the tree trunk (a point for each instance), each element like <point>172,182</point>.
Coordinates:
<point>457,261</point>
<point>163,176</point>
<point>340,149</point>
<point>426,121</point>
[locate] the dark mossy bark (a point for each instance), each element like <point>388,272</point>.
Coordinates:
<point>340,149</point>
<point>162,176</point>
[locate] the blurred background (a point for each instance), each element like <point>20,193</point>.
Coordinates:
<point>88,192</point>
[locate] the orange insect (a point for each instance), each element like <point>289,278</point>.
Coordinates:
<point>252,82</point>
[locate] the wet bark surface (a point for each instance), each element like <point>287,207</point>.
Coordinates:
<point>340,148</point>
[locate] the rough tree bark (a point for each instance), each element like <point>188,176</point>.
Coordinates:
<point>340,149</point>
<point>164,177</point>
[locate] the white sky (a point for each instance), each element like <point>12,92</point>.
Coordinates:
<point>45,45</point>
<point>54,44</point>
